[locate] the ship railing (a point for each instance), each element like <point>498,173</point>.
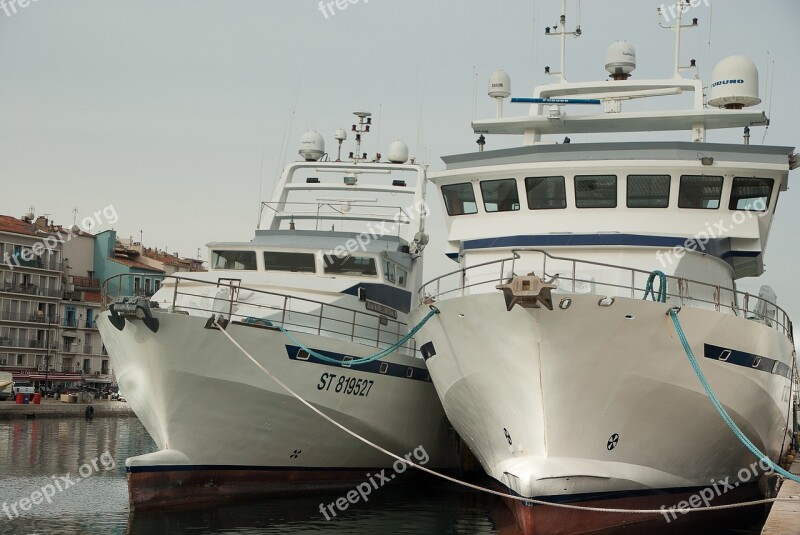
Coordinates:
<point>237,303</point>
<point>570,275</point>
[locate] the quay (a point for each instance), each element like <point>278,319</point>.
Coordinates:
<point>784,518</point>
<point>50,408</point>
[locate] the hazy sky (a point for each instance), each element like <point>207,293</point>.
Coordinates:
<point>164,108</point>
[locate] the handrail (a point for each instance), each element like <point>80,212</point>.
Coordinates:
<point>681,283</point>
<point>323,319</point>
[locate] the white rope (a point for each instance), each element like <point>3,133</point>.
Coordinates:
<point>478,487</point>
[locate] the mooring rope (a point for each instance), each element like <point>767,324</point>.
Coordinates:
<point>355,362</point>
<point>720,409</point>
<point>478,487</point>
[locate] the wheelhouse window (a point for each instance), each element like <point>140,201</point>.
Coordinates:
<point>500,195</point>
<point>751,194</point>
<point>395,274</point>
<point>292,262</point>
<point>459,199</point>
<point>546,192</point>
<point>596,191</point>
<point>700,191</point>
<point>648,191</point>
<point>234,260</point>
<point>353,265</point>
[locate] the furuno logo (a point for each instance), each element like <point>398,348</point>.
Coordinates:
<point>726,82</point>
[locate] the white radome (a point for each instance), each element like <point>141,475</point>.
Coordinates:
<point>734,82</point>
<point>621,58</point>
<point>312,146</point>
<point>398,152</point>
<point>500,84</point>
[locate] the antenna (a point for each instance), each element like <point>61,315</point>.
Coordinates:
<point>363,127</point>
<point>679,7</point>
<point>74,217</point>
<point>562,75</point>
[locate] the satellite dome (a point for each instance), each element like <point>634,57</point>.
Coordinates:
<point>734,84</point>
<point>621,60</point>
<point>312,146</point>
<point>499,85</point>
<point>398,152</point>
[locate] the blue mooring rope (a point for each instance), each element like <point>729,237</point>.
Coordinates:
<point>354,362</point>
<point>720,409</point>
<point>662,287</point>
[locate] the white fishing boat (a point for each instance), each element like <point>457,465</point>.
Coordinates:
<point>328,280</point>
<point>566,384</point>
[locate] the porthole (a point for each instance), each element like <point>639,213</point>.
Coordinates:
<point>565,303</point>
<point>606,302</point>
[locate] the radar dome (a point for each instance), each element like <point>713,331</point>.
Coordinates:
<point>312,146</point>
<point>734,84</point>
<point>621,60</point>
<point>398,152</point>
<point>499,85</point>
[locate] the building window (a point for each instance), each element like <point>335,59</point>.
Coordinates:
<point>20,360</point>
<point>104,367</point>
<point>596,191</point>
<point>147,287</point>
<point>751,194</point>
<point>500,195</point>
<point>459,199</point>
<point>234,260</point>
<point>700,191</point>
<point>157,285</point>
<point>137,285</point>
<point>293,262</point>
<point>648,191</point>
<point>87,366</point>
<point>546,192</point>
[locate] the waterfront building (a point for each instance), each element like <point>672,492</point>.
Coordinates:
<point>30,297</point>
<point>113,257</point>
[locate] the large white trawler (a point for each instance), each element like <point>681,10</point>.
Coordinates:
<point>565,383</point>
<point>336,266</point>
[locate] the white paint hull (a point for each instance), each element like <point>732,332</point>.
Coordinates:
<point>206,405</point>
<point>539,394</point>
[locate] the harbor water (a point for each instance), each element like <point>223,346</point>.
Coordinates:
<point>75,469</point>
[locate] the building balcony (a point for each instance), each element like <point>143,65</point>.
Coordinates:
<point>85,283</point>
<point>70,348</point>
<point>26,343</point>
<point>70,322</point>
<point>36,263</point>
<point>27,317</point>
<point>31,289</point>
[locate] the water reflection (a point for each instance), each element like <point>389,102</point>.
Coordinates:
<point>33,452</point>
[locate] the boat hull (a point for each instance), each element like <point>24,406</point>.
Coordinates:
<point>593,399</point>
<point>225,429</point>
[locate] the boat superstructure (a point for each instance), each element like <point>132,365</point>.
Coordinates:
<point>329,278</point>
<point>566,384</point>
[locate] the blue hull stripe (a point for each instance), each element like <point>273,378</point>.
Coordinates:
<point>747,360</point>
<point>384,294</point>
<point>720,248</point>
<point>216,467</point>
<point>374,367</point>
